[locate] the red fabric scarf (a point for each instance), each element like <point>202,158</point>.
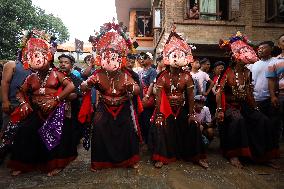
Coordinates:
<point>86,109</point>
<point>165,107</point>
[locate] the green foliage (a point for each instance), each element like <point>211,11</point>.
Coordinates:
<point>19,15</point>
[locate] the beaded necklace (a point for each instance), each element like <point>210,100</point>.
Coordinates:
<point>43,82</point>
<point>112,82</point>
<point>174,86</point>
<point>239,90</point>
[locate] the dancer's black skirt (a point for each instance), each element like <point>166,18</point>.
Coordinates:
<point>29,153</point>
<point>176,140</point>
<point>115,141</point>
<point>248,133</point>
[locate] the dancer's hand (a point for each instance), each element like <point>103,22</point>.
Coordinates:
<point>192,119</point>
<point>129,86</point>
<point>25,109</point>
<point>219,116</point>
<point>49,105</point>
<point>160,121</point>
<point>6,106</point>
<point>275,101</point>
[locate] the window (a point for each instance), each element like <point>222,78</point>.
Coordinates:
<point>144,24</point>
<point>209,9</point>
<point>275,11</point>
<point>157,17</point>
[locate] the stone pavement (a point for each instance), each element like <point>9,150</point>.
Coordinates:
<point>177,175</point>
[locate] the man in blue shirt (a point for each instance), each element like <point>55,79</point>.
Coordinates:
<point>147,76</point>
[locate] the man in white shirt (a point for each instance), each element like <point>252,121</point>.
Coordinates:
<point>201,79</point>
<point>203,116</point>
<point>260,82</point>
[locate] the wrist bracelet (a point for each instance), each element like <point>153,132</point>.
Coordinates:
<point>24,102</point>
<point>57,98</point>
<point>191,115</point>
<point>219,109</point>
<point>86,83</point>
<point>160,115</point>
<point>133,88</point>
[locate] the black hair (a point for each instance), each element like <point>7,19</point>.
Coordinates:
<point>87,57</point>
<point>281,36</point>
<point>77,68</point>
<point>70,57</point>
<point>131,56</point>
<point>159,58</point>
<point>203,60</point>
<point>144,55</point>
<point>270,43</point>
<point>218,63</point>
<point>53,41</point>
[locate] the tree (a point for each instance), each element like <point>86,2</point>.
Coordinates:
<point>52,25</point>
<point>19,15</point>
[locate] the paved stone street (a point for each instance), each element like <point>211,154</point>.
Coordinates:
<point>177,175</point>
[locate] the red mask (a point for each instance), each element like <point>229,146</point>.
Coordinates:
<point>243,52</point>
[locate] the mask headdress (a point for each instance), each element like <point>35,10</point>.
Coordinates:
<point>33,41</point>
<point>240,47</point>
<point>111,37</point>
<point>176,42</point>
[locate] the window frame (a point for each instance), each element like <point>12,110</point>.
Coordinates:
<point>274,18</point>
<point>216,15</point>
<point>136,22</point>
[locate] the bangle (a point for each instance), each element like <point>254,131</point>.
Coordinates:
<point>160,115</point>
<point>86,83</point>
<point>133,88</point>
<point>191,86</point>
<point>24,102</point>
<point>57,98</point>
<point>65,79</point>
<point>191,115</point>
<point>219,109</point>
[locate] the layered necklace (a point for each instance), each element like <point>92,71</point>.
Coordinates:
<point>174,85</point>
<point>239,90</point>
<point>42,81</point>
<point>112,81</point>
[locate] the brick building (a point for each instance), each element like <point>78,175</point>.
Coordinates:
<point>259,19</point>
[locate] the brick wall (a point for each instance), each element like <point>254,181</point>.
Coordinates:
<point>251,22</point>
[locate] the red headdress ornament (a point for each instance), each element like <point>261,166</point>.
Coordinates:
<point>240,47</point>
<point>173,43</point>
<point>35,41</point>
<point>111,37</point>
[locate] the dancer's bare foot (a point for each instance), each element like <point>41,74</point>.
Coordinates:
<point>236,162</point>
<point>54,172</point>
<point>203,163</point>
<point>16,173</point>
<point>273,165</point>
<point>159,164</point>
<point>93,170</point>
<point>135,166</point>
